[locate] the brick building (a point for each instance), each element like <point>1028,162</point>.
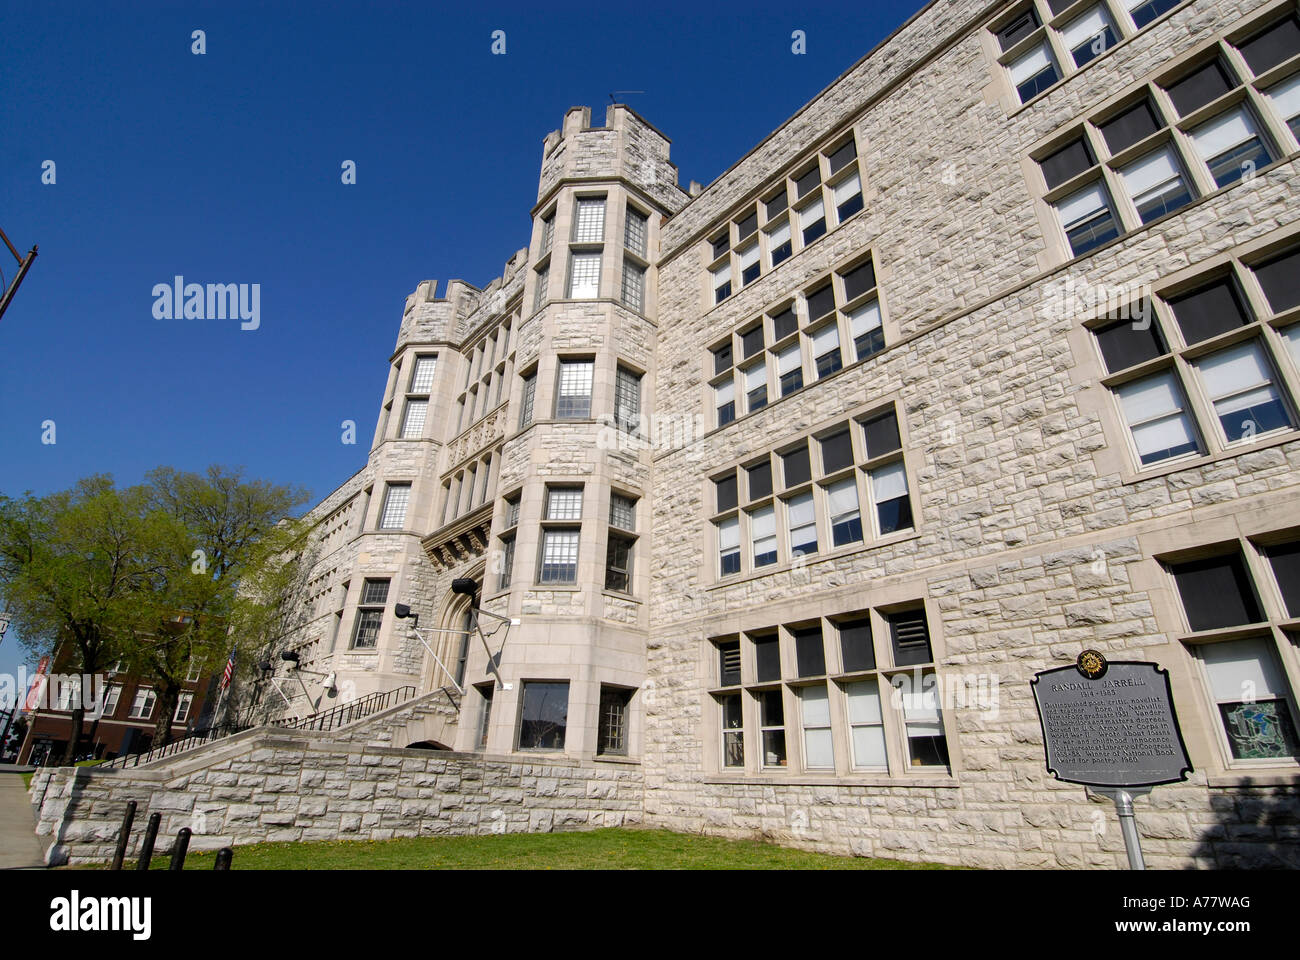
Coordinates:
<point>987,355</point>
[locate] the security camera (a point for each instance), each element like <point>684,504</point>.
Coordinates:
<point>464,585</point>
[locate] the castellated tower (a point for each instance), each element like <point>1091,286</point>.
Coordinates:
<point>511,450</point>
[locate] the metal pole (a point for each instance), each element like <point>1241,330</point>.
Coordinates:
<point>224,856</point>
<point>1128,827</point>
<point>182,847</point>
<point>122,838</point>
<point>146,846</point>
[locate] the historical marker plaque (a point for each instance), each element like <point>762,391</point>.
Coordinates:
<point>1110,724</point>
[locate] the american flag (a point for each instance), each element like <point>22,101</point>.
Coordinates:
<point>229,673</point>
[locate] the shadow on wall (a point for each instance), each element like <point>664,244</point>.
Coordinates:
<point>1256,827</point>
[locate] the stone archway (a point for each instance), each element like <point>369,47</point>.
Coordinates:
<point>453,647</point>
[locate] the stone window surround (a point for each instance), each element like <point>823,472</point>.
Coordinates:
<point>1001,87</point>
<point>604,373</point>
<point>854,416</point>
<point>451,509</point>
<point>1198,714</point>
<point>1274,131</point>
<point>1117,457</point>
<point>798,302</point>
<point>757,203</point>
<point>890,598</point>
<point>353,592</point>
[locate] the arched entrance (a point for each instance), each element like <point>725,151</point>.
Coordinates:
<point>457,618</point>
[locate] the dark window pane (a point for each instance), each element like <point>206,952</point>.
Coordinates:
<point>859,280</point>
<point>733,733</point>
<point>544,717</point>
<point>843,155</point>
<point>760,480</point>
<point>767,659</point>
<point>1200,87</point>
<point>747,226</point>
<point>784,323</point>
<point>828,363</point>
<point>722,292</point>
<point>1160,204</point>
<point>821,302</point>
<point>837,452</point>
<point>1057,6</point>
<point>618,566</point>
<point>882,435</point>
<point>1017,28</point>
<point>808,181</point>
<point>1231,165</point>
<point>809,653</point>
<point>1092,233</point>
<point>731,563</point>
<point>1273,45</point>
<point>849,207</point>
<point>1129,127</point>
<point>1280,278</point>
<point>782,253</point>
<point>795,467</point>
<point>722,359</point>
<point>1149,11</point>
<point>910,635</point>
<point>1037,83</point>
<point>750,274</point>
<point>726,413</point>
<point>928,750</point>
<point>814,231</point>
<point>894,515</point>
<point>726,492</point>
<point>791,381</point>
<point>612,733</point>
<point>751,341</point>
<point>847,531</point>
<point>855,645</point>
<point>1071,160</point>
<point>721,245</point>
<point>1209,311</point>
<point>729,664</point>
<point>1093,47</point>
<point>1124,344</point>
<point>1216,592</point>
<point>777,204</point>
<point>1286,570</point>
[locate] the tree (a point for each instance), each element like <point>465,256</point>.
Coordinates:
<point>73,565</point>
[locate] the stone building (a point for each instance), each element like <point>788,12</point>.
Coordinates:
<point>987,355</point>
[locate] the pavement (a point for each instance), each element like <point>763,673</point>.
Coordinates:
<point>19,847</point>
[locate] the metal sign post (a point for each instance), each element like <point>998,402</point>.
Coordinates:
<point>1123,797</point>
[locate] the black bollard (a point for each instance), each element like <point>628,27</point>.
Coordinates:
<point>124,837</point>
<point>182,847</point>
<point>146,846</point>
<point>224,856</point>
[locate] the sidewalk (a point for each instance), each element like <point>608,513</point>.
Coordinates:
<point>19,847</point>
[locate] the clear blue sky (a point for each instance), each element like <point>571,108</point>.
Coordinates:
<point>225,168</point>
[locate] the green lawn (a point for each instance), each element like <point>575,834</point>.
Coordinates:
<point>607,849</point>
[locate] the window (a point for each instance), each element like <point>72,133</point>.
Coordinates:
<point>485,691</point>
<point>69,693</point>
<point>143,704</point>
<point>506,573</point>
<point>1144,11</point>
<point>1250,690</point>
<point>779,246</point>
<point>422,378</point>
<point>633,293</point>
<point>795,467</point>
<point>729,664</point>
<point>746,226</point>
<point>810,655</point>
<point>183,704</point>
<point>573,399</point>
<point>762,525</point>
<point>526,401</point>
<point>1126,344</point>
<point>805,183</point>
<point>772,727</point>
<point>622,512</point>
<point>634,232</point>
<point>755,386</point>
<point>413,422</point>
<point>926,744</point>
<point>1231,147</point>
<point>1017,28</point>
<point>803,525</point>
<point>544,716</point>
<point>821,302</point>
<point>722,358</point>
<point>1088,35</point>
<point>1155,184</point>
<point>815,707</point>
<point>193,670</point>
<point>866,725</point>
<point>1273,45</point>
<point>396,499</point>
<point>627,399</point>
<point>559,556</point>
<point>1216,592</point>
<point>725,492</point>
<point>843,156</point>
<point>540,291</point>
<point>1279,277</point>
<point>589,224</point>
<point>1033,72</point>
<point>724,400</point>
<point>721,243</point>
<point>859,280</point>
<point>749,265</point>
<point>611,735</point>
<point>729,547</point>
<point>1087,219</point>
<point>111,697</point>
<point>721,282</point>
<point>889,491</point>
<point>759,479</point>
<point>1241,385</point>
<point>848,197</point>
<point>868,336</point>
<point>370,613</point>
<point>1122,131</point>
<point>812,221</point>
<point>733,731</point>
<point>842,505</point>
<point>584,276</point>
<point>1285,561</point>
<point>618,563</point>
<point>857,651</point>
<point>909,633</point>
<point>789,365</point>
<point>777,204</point>
<point>837,451</point>
<point>784,323</point>
<point>548,234</point>
<point>564,503</point>
<point>1285,98</point>
<point>1155,412</point>
<point>1203,85</point>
